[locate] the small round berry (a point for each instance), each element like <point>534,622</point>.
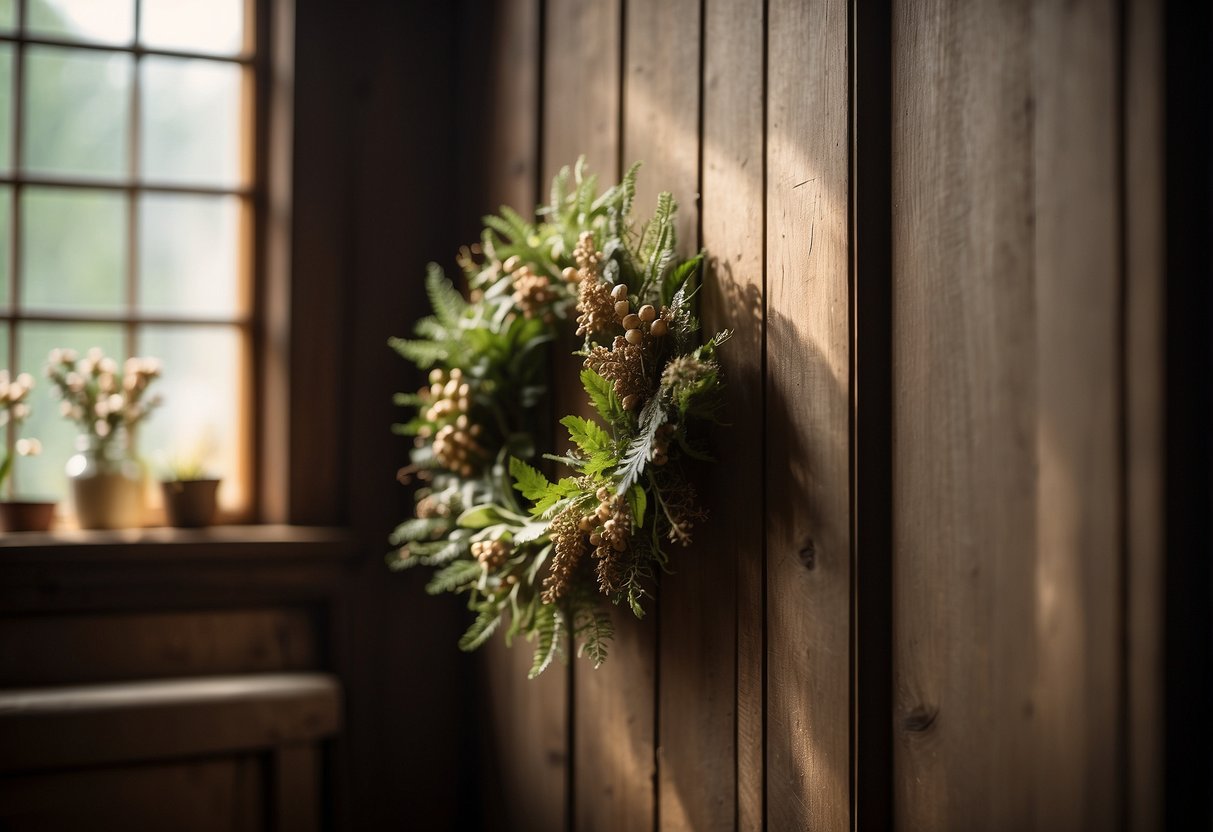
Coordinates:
<point>658,328</point>
<point>634,336</point>
<point>620,292</point>
<point>647,313</point>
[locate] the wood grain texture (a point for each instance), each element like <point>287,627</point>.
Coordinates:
<point>711,625</point>
<point>84,725</point>
<point>612,737</point>
<point>807,418</point>
<point>46,650</point>
<point>525,737</point>
<point>690,632</point>
<point>1078,752</point>
<point>581,86</point>
<point>964,427</point>
<point>1142,123</point>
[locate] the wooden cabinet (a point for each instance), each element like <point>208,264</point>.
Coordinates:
<point>169,680</point>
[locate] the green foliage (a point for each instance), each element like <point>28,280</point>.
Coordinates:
<point>640,449</point>
<point>454,577</point>
<point>532,484</point>
<point>548,623</point>
<point>487,519</point>
<point>486,623</point>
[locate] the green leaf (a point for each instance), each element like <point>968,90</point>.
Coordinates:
<point>602,394</point>
<point>449,305</point>
<point>567,487</point>
<point>424,354</point>
<point>588,435</point>
<point>678,276</point>
<point>638,501</point>
<point>416,529</point>
<point>532,484</point>
<point>453,577</point>
<point>592,625</point>
<point>482,629</point>
<point>636,457</point>
<point>547,628</point>
<point>487,514</point>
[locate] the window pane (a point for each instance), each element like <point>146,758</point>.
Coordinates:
<point>202,386</point>
<point>194,25</point>
<point>42,476</point>
<point>78,112</point>
<point>73,249</point>
<point>191,121</point>
<point>96,21</point>
<point>8,14</point>
<point>189,255</point>
<point>6,107</point>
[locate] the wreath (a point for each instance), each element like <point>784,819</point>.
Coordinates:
<point>538,557</point>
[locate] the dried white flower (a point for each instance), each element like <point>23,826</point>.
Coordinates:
<point>28,447</point>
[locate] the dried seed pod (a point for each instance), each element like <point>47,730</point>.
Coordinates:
<point>631,322</point>
<point>621,308</point>
<point>658,328</point>
<point>634,336</point>
<point>647,313</point>
<point>620,292</point>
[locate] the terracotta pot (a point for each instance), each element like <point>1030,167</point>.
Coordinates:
<point>190,504</point>
<point>26,517</point>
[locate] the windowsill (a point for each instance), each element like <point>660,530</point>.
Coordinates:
<point>214,543</point>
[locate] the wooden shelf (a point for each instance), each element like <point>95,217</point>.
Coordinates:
<point>217,542</point>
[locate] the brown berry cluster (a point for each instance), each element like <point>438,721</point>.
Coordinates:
<point>491,553</point>
<point>644,320</point>
<point>659,453</point>
<point>610,529</point>
<point>568,547</point>
<point>455,443</point>
<point>594,301</point>
<point>532,292</point>
<point>623,365</point>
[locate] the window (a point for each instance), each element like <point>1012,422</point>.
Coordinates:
<point>126,216</point>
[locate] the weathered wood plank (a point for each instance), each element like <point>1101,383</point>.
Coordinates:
<point>807,417</point>
<point>55,650</point>
<point>613,738</point>
<point>1078,271</point>
<point>963,403</point>
<point>525,736</point>
<point>1144,402</point>
<point>695,626</point>
<point>732,546</point>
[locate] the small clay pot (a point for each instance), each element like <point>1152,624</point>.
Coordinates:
<point>26,517</point>
<point>190,504</point>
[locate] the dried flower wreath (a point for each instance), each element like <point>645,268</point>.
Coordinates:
<point>546,566</point>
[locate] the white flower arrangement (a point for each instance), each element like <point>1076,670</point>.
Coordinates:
<point>97,396</point>
<point>14,408</point>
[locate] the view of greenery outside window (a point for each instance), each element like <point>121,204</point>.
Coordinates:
<point>126,216</point>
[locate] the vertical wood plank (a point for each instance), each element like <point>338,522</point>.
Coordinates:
<point>731,549</point>
<point>1142,123</point>
<point>612,714</point>
<point>296,792</point>
<point>963,404</point>
<point>1079,739</point>
<point>807,418</point>
<point>693,631</point>
<point>526,721</point>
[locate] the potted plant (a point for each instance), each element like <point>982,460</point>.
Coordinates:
<point>107,404</point>
<point>189,494</point>
<point>19,515</point>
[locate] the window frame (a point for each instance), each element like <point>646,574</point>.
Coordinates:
<point>255,58</point>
